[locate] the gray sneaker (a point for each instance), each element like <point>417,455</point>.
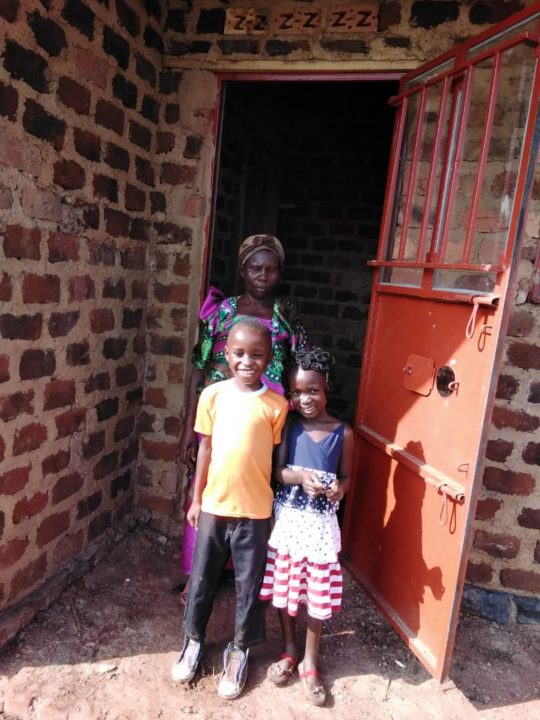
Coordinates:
<point>185,668</point>
<point>233,678</point>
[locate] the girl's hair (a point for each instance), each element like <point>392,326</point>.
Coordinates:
<point>315,359</point>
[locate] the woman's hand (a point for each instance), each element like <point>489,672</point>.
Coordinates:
<point>187,447</point>
<point>335,492</point>
<point>311,484</point>
<point>193,514</point>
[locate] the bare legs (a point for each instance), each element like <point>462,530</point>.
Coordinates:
<point>311,651</point>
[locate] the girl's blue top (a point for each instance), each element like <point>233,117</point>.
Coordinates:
<point>321,457</point>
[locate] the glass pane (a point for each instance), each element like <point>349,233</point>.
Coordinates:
<point>465,177</point>
<point>402,185</point>
<point>424,77</point>
<point>464,281</point>
<point>528,25</point>
<point>502,164</point>
<point>409,277</point>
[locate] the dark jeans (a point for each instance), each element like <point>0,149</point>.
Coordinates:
<point>217,539</point>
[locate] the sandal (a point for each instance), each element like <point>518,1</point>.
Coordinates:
<point>278,675</point>
<point>315,694</point>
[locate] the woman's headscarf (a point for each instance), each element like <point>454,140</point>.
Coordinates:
<point>254,243</point>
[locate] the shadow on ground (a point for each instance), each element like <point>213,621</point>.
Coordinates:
<point>104,651</point>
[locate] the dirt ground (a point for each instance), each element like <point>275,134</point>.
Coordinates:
<point>104,652</point>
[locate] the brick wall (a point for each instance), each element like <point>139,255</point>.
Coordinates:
<point>80,203</point>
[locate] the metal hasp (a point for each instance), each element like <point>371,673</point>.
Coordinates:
<point>462,164</point>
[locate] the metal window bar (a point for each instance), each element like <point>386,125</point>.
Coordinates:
<point>484,150</point>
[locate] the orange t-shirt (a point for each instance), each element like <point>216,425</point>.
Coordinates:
<point>244,427</point>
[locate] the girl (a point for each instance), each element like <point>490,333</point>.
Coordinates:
<point>312,469</point>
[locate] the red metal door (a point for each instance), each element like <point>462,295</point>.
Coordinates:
<point>462,165</point>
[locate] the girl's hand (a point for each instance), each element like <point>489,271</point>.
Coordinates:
<point>187,446</point>
<point>311,484</point>
<point>335,492</point>
<point>193,514</point>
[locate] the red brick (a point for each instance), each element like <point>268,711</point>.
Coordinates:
<point>56,462</point>
<point>28,576</point>
<point>134,258</point>
<point>29,506</point>
<point>516,419</point>
<point>499,450</point>
<point>521,323</point>
<point>537,552</point>
<point>116,222</point>
<point>12,551</point>
<point>87,144</point>
<point>487,508</point>
<point>106,465</point>
<point>41,204</point>
<point>94,444</point>
<point>92,67</point>
<point>479,573</point>
<point>6,288</point>
<point>508,482</point>
<point>22,155</point>
<point>155,397</point>
<point>22,243</point>
<point>110,116</point>
<point>155,450</point>
<point>63,247</point>
<point>21,327</point>
<point>81,287</point>
<point>2,449</point>
<point>139,290</point>
<point>125,375</point>
<point>173,426</point>
<point>4,368</point>
<point>13,481</point>
<point>59,393</point>
<point>175,374</point>
<point>29,438</point>
<point>524,355</point>
<point>174,174</point>
<point>179,319</point>
<point>182,265</point>
<point>70,422</point>
<point>98,525</point>
<point>74,95</point>
<point>101,320</point>
<point>36,363</point>
<point>194,206</point>
<point>530,518</point>
<point>527,580</point>
<point>497,545</point>
<point>11,406</point>
<point>507,387</point>
<point>124,428</point>
<point>173,293</point>
<point>52,527</point>
<point>157,504</point>
<point>174,346</point>
<point>135,199</point>
<point>41,288</point>
<point>68,547</point>
<point>99,381</point>
<point>531,453</point>
<point>69,174</point>
<point>165,142</point>
<point>61,324</point>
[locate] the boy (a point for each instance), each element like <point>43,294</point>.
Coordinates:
<point>240,420</point>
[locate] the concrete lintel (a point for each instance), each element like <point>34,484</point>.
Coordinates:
<point>289,66</point>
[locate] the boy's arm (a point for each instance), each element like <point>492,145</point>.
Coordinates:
<point>336,491</point>
<point>201,477</point>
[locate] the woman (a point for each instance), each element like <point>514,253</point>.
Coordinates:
<point>261,262</point>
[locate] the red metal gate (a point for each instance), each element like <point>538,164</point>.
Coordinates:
<point>462,165</point>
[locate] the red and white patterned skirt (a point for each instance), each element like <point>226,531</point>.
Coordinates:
<point>302,566</point>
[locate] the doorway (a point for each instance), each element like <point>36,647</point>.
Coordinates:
<point>307,161</point>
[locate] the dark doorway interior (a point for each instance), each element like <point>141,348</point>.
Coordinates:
<point>307,161</point>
